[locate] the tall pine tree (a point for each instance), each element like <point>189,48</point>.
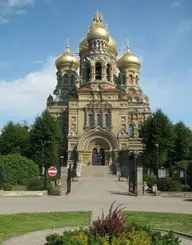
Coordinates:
<point>157,134</point>
<point>45,140</point>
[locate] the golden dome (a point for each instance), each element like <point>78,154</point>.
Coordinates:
<point>112,45</point>
<point>83,47</point>
<point>128,60</point>
<point>67,59</point>
<point>97,31</point>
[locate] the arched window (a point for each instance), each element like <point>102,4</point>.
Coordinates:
<point>98,71</point>
<point>130,79</point>
<point>131,156</point>
<point>88,71</point>
<point>123,80</point>
<point>138,128</point>
<point>98,119</point>
<point>72,79</point>
<point>108,72</point>
<point>90,120</point>
<point>66,78</point>
<point>131,131</point>
<point>106,120</point>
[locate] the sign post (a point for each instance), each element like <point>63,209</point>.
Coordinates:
<point>52,171</point>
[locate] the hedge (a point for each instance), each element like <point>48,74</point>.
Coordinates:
<point>17,170</point>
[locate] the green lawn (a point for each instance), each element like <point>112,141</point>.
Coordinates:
<point>18,224</point>
<point>19,188</point>
<point>168,221</point>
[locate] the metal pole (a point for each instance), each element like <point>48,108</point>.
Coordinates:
<point>157,163</point>
<point>185,180</point>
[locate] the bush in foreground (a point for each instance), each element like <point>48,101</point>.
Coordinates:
<point>113,230</point>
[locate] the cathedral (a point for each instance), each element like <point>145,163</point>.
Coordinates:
<point>98,99</point>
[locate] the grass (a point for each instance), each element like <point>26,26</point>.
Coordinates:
<point>17,224</point>
<point>19,188</point>
<point>167,221</point>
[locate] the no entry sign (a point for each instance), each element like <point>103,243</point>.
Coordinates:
<point>52,171</point>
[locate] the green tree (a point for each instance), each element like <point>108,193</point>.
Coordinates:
<point>182,142</point>
<point>45,140</point>
<point>14,138</point>
<point>157,135</point>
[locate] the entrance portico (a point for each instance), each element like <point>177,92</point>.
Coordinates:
<point>96,147</point>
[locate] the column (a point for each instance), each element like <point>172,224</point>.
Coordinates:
<point>139,181</point>
<point>104,73</point>
<point>63,179</point>
<point>92,75</point>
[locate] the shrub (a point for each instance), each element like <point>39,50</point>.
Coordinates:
<point>34,184</point>
<point>112,230</point>
<point>112,224</point>
<point>17,170</point>
<point>169,185</point>
<point>37,183</point>
<point>150,179</point>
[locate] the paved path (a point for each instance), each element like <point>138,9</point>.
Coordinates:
<point>89,194</point>
<point>94,194</point>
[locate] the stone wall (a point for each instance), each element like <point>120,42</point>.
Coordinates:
<point>174,194</point>
<point>23,193</point>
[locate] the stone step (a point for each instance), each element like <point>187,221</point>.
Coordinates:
<point>95,171</point>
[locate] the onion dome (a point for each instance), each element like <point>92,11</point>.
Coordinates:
<point>67,60</point>
<point>97,32</point>
<point>83,47</point>
<point>128,61</point>
<point>112,46</point>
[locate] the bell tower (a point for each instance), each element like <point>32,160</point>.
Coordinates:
<point>98,53</point>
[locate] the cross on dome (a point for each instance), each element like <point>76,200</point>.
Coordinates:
<point>98,17</point>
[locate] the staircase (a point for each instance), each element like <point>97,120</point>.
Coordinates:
<point>95,172</point>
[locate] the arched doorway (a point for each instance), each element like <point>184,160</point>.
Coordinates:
<point>98,157</point>
<point>96,146</point>
<point>102,156</point>
<point>95,157</point>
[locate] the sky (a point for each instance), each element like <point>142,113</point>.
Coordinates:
<point>34,32</point>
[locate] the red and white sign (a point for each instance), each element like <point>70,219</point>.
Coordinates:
<point>52,171</point>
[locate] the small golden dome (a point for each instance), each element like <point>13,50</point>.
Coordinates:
<point>128,60</point>
<point>67,59</point>
<point>97,31</point>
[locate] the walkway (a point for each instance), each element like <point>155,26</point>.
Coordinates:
<point>90,194</point>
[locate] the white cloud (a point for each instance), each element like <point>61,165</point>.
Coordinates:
<point>10,8</point>
<point>171,94</point>
<point>185,25</point>
<point>19,2</point>
<point>26,97</point>
<point>175,4</point>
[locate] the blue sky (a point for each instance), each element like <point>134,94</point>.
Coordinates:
<point>33,33</point>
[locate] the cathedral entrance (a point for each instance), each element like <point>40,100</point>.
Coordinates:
<point>98,157</point>
<point>96,147</point>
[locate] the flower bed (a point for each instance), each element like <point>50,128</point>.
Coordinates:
<point>113,230</point>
